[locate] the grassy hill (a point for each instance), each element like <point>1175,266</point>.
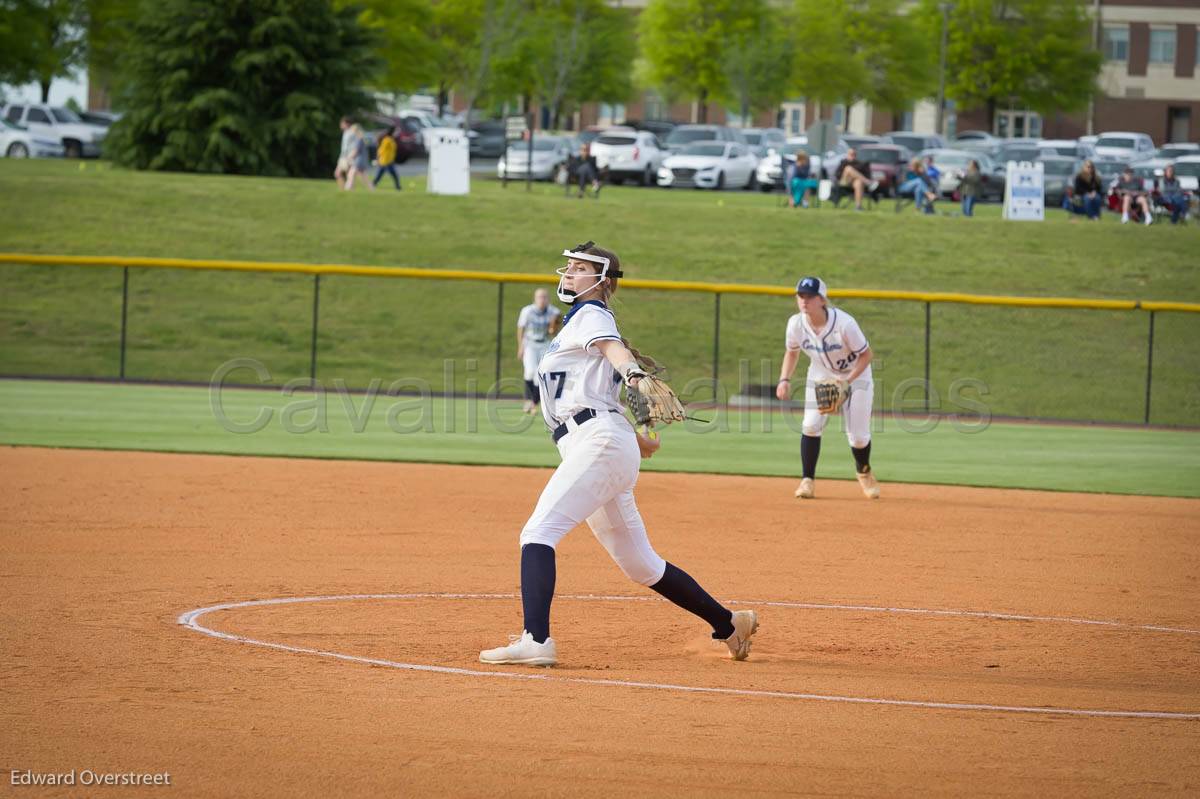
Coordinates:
<point>1058,363</point>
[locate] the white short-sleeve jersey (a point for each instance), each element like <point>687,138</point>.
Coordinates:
<point>573,374</point>
<point>833,349</point>
<point>537,322</point>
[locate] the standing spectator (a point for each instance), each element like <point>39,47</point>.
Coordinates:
<point>387,159</point>
<point>801,181</point>
<point>969,187</point>
<point>852,174</point>
<point>359,160</point>
<point>1088,198</point>
<point>1172,194</point>
<point>1133,191</point>
<point>343,162</point>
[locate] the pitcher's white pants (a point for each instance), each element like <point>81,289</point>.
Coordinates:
<point>594,482</point>
<point>856,411</point>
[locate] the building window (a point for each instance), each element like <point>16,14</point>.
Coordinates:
<point>906,120</point>
<point>839,116</point>
<point>611,114</point>
<point>1198,48</point>
<point>655,107</point>
<point>1116,44</point>
<point>1162,46</point>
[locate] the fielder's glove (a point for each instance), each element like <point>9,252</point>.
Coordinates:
<point>831,395</point>
<point>652,400</point>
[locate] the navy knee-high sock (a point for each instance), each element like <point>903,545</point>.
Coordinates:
<point>679,587</point>
<point>810,450</point>
<point>537,589</point>
<point>537,394</point>
<point>530,391</point>
<point>862,458</point>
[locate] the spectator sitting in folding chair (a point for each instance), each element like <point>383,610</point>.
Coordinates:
<point>853,174</point>
<point>1172,195</point>
<point>1132,192</point>
<point>801,181</point>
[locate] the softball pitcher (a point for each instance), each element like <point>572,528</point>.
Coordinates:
<point>839,378</point>
<point>536,324</point>
<point>580,377</point>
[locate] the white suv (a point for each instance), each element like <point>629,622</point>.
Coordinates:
<point>629,155</point>
<point>79,139</point>
<point>1124,147</point>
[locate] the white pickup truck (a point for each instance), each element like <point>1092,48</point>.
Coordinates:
<point>79,139</point>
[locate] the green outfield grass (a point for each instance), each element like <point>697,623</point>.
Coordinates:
<point>182,326</point>
<point>178,419</point>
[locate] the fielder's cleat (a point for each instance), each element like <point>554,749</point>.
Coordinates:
<point>806,489</point>
<point>870,485</point>
<point>522,650</point>
<point>745,624</point>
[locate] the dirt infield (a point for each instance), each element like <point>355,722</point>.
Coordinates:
<point>100,554</point>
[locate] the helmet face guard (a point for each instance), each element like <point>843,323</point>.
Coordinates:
<point>577,254</point>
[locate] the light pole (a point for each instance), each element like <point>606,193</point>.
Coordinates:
<point>945,8</point>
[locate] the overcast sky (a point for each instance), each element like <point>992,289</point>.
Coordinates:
<point>60,90</point>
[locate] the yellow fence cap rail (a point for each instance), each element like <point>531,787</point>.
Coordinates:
<point>519,277</point>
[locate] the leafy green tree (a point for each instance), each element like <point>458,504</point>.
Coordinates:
<point>683,44</point>
<point>240,86</point>
<point>470,38</point>
<point>1035,53</point>
<point>568,52</point>
<point>852,50</point>
<point>758,59</point>
<point>405,49</point>
<point>41,40</point>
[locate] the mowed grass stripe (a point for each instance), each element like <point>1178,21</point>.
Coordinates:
<point>180,419</point>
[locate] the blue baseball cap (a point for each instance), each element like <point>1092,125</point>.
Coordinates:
<point>812,285</point>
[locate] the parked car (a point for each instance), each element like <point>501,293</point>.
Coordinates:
<point>1017,150</point>
<point>659,127</point>
<point>19,142</point>
<point>549,153</point>
<point>1187,169</point>
<point>952,164</point>
<point>684,135</point>
<point>773,169</point>
<point>974,139</point>
<point>887,162</point>
<point>915,141</point>
<point>1108,171</point>
<point>629,155</point>
<point>487,139</point>
<point>1127,147</point>
<point>592,132</point>
<point>1072,148</point>
<point>1058,173</point>
<point>709,165</point>
<point>102,118</point>
<point>1177,150</point>
<point>860,139</point>
<point>761,140</point>
<point>79,139</point>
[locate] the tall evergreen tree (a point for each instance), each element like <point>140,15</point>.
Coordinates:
<point>240,86</point>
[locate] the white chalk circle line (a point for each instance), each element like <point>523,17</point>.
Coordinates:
<point>191,620</point>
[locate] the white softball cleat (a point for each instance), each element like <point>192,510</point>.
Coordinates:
<point>806,490</point>
<point>745,625</point>
<point>522,650</point>
<point>870,485</point>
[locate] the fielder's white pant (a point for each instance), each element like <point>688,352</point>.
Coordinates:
<point>534,350</point>
<point>856,411</point>
<point>594,482</point>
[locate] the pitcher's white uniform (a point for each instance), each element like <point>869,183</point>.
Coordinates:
<point>600,455</point>
<point>832,351</point>
<point>536,324</point>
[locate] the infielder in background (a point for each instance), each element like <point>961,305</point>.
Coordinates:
<point>839,377</point>
<point>535,326</point>
<point>581,376</point>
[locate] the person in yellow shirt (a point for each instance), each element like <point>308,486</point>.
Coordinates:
<point>386,159</point>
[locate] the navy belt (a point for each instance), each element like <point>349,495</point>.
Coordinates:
<point>579,418</point>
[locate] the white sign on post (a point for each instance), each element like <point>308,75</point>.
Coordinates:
<point>449,162</point>
<point>1025,192</point>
